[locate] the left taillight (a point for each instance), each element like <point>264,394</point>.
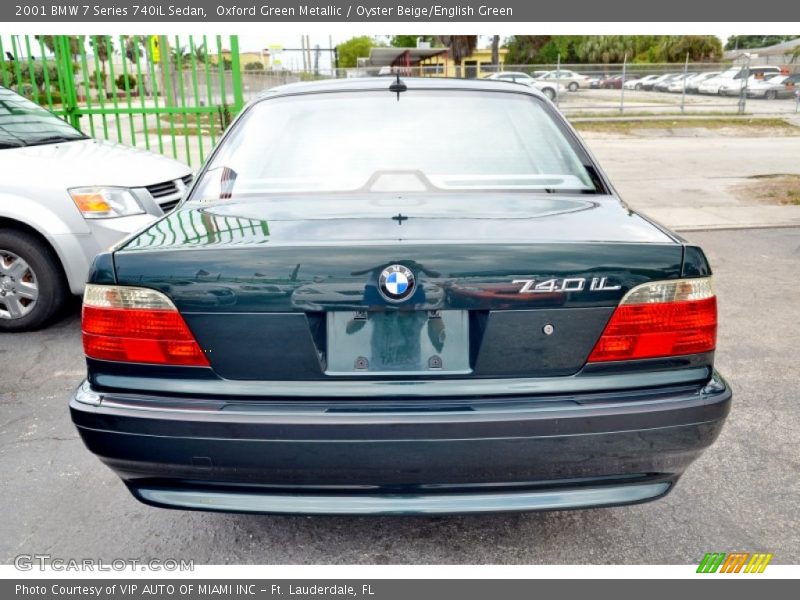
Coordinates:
<point>138,325</point>
<point>661,319</point>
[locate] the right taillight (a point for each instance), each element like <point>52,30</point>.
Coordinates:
<point>661,318</point>
<point>130,324</point>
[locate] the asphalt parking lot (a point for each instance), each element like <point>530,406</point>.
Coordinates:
<point>741,494</point>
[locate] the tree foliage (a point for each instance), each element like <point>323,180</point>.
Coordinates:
<point>545,49</point>
<point>350,51</point>
<point>410,41</point>
<point>460,46</point>
<point>75,43</point>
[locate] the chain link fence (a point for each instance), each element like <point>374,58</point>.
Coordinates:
<point>176,95</point>
<point>634,89</point>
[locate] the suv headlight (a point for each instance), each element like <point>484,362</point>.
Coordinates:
<point>105,202</point>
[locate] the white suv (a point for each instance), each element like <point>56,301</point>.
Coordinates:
<point>733,76</point>
<point>64,197</point>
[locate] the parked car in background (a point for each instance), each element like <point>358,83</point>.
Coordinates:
<point>653,82</point>
<point>612,82</point>
<point>733,87</point>
<point>513,76</point>
<point>638,83</point>
<point>663,84</point>
<point>433,319</point>
<point>64,197</point>
<point>678,84</point>
<point>549,88</point>
<point>727,79</point>
<point>569,79</point>
<point>595,81</point>
<point>778,86</point>
<point>693,83</point>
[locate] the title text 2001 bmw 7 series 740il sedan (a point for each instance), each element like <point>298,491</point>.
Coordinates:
<point>400,297</point>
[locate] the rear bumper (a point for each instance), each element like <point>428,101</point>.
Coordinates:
<point>446,456</point>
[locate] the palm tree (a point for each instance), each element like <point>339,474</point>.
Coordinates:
<point>75,44</point>
<point>200,53</point>
<point>134,46</point>
<point>496,51</point>
<point>104,46</point>
<point>460,46</point>
<point>605,49</point>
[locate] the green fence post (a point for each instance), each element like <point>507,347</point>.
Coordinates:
<point>195,89</point>
<point>182,96</point>
<point>128,101</point>
<point>6,78</point>
<point>17,69</point>
<point>69,95</point>
<point>154,89</point>
<point>114,99</point>
<point>87,88</point>
<point>101,97</point>
<point>236,75</point>
<point>170,104</point>
<point>46,74</point>
<point>32,71</point>
<point>134,43</point>
<point>223,95</point>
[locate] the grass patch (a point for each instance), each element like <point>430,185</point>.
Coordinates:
<point>180,130</point>
<point>772,189</point>
<point>731,126</point>
<point>205,119</point>
<point>188,127</point>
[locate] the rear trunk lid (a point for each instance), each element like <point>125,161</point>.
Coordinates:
<point>506,285</point>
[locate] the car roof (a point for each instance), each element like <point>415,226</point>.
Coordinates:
<point>356,84</point>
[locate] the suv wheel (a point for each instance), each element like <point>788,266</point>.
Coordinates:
<point>32,287</point>
<point>573,86</point>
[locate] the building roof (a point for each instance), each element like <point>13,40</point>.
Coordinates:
<point>774,50</point>
<point>387,57</point>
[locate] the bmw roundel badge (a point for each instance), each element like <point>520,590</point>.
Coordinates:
<point>396,283</point>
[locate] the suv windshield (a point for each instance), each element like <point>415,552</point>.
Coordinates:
<point>23,123</point>
<point>423,141</point>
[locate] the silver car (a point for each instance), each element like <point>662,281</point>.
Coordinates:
<point>64,197</point>
<point>569,79</point>
<point>551,89</point>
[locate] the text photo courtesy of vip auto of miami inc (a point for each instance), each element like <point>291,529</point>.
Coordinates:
<point>378,297</point>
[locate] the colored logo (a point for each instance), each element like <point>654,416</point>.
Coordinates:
<point>734,562</point>
<point>396,283</point>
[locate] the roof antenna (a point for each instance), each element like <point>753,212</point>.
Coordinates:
<point>398,86</point>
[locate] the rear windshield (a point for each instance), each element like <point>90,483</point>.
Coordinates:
<point>23,123</point>
<point>373,141</point>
